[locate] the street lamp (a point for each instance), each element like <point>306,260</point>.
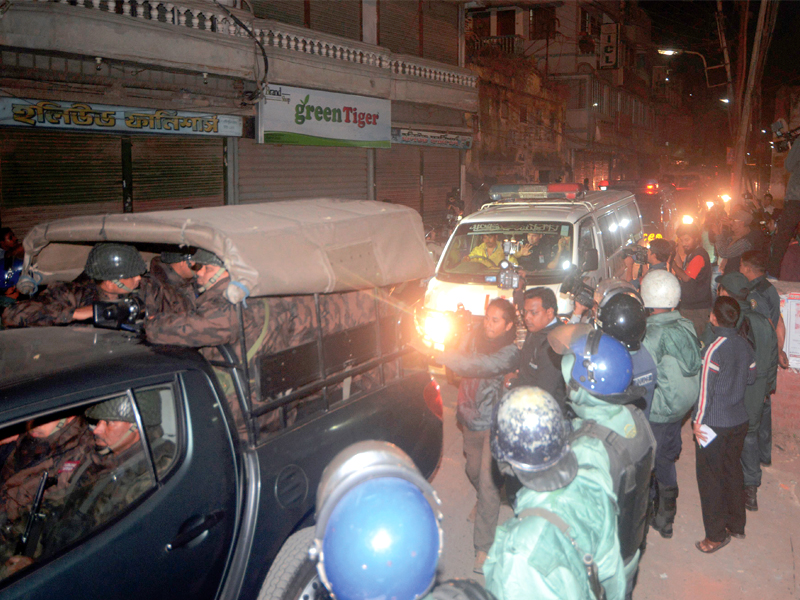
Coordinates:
<point>706,68</point>
<point>725,100</point>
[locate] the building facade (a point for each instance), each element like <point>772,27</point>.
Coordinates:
<point>114,106</point>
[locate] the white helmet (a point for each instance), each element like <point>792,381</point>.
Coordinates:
<point>608,288</point>
<point>661,289</point>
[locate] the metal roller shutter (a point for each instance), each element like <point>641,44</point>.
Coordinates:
<point>398,26</point>
<point>285,11</point>
<point>268,173</point>
<point>397,175</point>
<point>342,17</point>
<point>176,172</point>
<point>440,32</point>
<point>47,175</point>
<point>441,172</point>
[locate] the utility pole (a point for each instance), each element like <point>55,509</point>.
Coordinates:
<point>741,60</point>
<point>753,78</point>
<point>724,45</point>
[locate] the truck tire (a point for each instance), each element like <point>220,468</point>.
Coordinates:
<point>293,575</point>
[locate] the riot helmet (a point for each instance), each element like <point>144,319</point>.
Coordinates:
<point>121,409</point>
<point>378,532</point>
<point>170,258</point>
<point>622,316</point>
<point>608,288</point>
<point>531,435</point>
<point>661,289</point>
<point>111,262</point>
<point>602,365</point>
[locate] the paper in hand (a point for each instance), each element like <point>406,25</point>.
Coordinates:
<point>710,435</point>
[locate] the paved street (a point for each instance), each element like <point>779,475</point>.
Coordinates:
<point>764,565</point>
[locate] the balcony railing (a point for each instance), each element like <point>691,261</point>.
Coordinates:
<point>204,16</point>
<point>509,44</point>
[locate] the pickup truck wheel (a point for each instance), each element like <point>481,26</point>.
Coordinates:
<point>293,575</point>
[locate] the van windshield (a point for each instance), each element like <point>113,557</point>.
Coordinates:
<point>543,250</point>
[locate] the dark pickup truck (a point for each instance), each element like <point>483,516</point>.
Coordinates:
<point>222,489</point>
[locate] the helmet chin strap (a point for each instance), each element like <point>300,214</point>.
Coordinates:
<point>122,286</point>
<point>121,442</point>
<point>214,279</point>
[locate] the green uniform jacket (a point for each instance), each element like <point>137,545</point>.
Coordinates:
<point>531,558</point>
<point>672,342</point>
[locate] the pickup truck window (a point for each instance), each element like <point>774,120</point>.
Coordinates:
<point>68,474</point>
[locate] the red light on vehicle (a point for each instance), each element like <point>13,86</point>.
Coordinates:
<point>570,190</point>
<point>433,398</point>
<point>603,185</point>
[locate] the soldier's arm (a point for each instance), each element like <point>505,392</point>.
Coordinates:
<point>195,329</point>
<point>55,306</point>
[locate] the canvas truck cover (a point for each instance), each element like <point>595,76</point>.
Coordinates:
<point>269,249</point>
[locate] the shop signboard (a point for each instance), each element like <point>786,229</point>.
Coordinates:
<point>83,116</point>
<point>433,139</point>
<point>306,117</point>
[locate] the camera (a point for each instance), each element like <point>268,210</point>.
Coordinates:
<point>125,314</point>
<point>785,138</point>
<point>508,278</point>
<point>575,286</point>
<point>637,252</point>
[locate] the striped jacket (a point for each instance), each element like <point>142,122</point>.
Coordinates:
<point>729,366</point>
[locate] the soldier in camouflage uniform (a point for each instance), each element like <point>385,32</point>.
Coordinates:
<point>59,448</point>
<point>115,476</point>
<point>115,271</point>
<point>167,287</point>
<point>271,325</point>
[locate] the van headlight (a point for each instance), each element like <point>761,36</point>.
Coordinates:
<point>687,219</point>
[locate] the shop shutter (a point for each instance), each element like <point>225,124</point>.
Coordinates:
<point>285,11</point>
<point>47,175</point>
<point>342,17</point>
<point>398,26</point>
<point>397,175</point>
<point>440,32</point>
<point>175,172</point>
<point>268,173</point>
<point>441,173</point>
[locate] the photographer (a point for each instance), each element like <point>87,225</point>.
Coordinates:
<point>791,212</point>
<point>660,254</point>
<point>115,270</point>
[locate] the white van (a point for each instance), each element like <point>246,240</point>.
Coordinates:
<point>545,230</point>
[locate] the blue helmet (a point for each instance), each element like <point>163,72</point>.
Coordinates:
<point>530,433</point>
<point>603,365</point>
<point>378,532</point>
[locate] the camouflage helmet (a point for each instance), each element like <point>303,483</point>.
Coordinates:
<point>204,257</point>
<point>107,262</point>
<point>121,409</point>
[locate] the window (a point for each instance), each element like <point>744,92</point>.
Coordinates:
<point>523,114</point>
<point>586,236</point>
<point>506,22</point>
<point>481,24</point>
<point>553,127</point>
<point>629,225</point>
<point>577,94</point>
<point>543,23</point>
<point>610,232</point>
<point>590,24</point>
<point>83,488</point>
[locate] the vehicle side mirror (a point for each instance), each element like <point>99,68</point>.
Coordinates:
<point>590,260</point>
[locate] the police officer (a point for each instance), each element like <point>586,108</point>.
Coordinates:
<point>115,271</point>
<point>562,541</point>
<point>673,344</point>
<point>621,315</point>
<point>759,331</point>
<point>598,372</point>
<point>764,298</point>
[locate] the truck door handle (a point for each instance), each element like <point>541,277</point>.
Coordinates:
<point>195,531</point>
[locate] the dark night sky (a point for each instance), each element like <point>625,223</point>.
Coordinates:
<point>690,24</point>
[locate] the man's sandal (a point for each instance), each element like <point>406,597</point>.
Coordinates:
<point>706,546</point>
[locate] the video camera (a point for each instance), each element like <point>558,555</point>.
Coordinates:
<point>575,286</point>
<point>126,314</point>
<point>637,252</point>
<point>785,137</point>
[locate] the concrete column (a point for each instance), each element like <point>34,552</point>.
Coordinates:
<point>369,21</point>
<point>371,173</point>
<point>231,170</point>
